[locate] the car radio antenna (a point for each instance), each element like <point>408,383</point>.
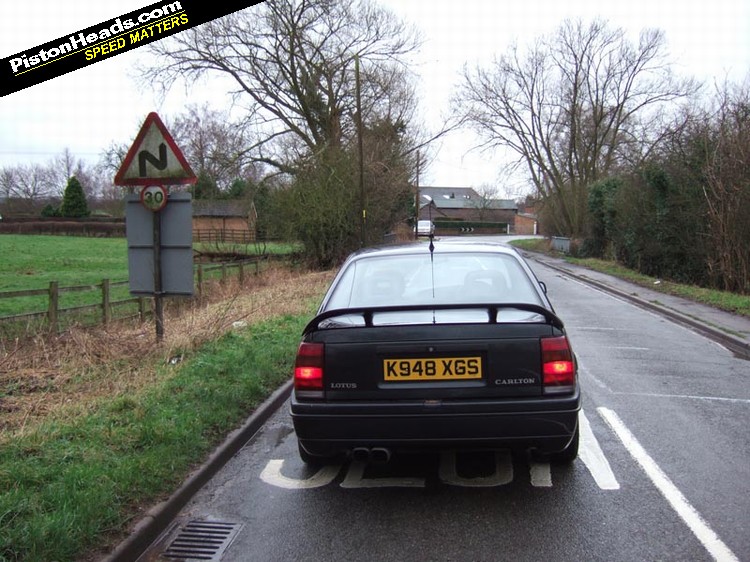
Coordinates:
<point>432,249</point>
<point>432,271</point>
<point>432,262</point>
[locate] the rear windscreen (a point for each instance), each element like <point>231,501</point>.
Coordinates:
<point>479,278</point>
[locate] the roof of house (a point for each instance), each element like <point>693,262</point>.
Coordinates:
<point>463,198</point>
<point>495,204</point>
<point>210,208</point>
<point>449,192</point>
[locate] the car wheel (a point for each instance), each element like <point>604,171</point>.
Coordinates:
<point>314,460</point>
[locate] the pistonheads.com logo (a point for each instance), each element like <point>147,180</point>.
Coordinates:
<point>95,43</point>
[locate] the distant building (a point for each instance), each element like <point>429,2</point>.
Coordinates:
<point>449,207</point>
<point>224,221</point>
<point>526,223</point>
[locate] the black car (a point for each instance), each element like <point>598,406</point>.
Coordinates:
<point>439,345</point>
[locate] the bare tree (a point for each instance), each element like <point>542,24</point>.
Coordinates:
<point>486,200</point>
<point>214,145</point>
<point>572,108</point>
<point>66,165</point>
<point>28,183</point>
<point>726,136</point>
<point>293,61</point>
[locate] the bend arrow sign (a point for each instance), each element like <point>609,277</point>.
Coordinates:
<point>154,156</point>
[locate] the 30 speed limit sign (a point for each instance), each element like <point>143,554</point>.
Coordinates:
<point>154,197</point>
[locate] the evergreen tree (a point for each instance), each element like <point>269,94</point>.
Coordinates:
<point>205,187</point>
<point>74,200</point>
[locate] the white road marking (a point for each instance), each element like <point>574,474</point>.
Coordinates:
<point>710,540</point>
<point>503,471</point>
<point>600,383</point>
<point>355,479</point>
<point>687,396</point>
<point>541,474</point>
<point>272,475</point>
<point>584,370</point>
<point>592,456</point>
<point>656,315</point>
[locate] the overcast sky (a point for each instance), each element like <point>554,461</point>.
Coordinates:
<point>88,109</point>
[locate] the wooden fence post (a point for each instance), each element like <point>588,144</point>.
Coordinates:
<point>54,300</point>
<point>223,273</point>
<point>200,279</point>
<point>242,274</point>
<point>106,310</point>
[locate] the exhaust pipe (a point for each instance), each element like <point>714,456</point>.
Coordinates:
<point>361,454</point>
<point>380,455</point>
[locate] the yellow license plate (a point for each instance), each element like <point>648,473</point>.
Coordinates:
<point>435,369</point>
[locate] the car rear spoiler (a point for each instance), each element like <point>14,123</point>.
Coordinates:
<point>367,313</point>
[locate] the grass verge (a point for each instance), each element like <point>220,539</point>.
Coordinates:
<point>68,484</point>
<point>731,302</point>
<point>74,479</point>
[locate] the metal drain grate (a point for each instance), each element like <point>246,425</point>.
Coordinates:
<point>202,540</point>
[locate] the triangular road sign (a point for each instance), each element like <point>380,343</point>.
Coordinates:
<point>154,157</point>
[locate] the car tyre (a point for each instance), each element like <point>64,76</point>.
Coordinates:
<point>569,453</point>
<point>566,456</point>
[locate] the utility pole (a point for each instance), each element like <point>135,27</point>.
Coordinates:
<point>416,202</point>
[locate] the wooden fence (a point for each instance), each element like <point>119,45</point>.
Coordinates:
<point>104,310</point>
<point>223,235</point>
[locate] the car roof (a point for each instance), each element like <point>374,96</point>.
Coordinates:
<point>441,247</point>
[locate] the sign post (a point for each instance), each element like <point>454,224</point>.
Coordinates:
<point>153,161</point>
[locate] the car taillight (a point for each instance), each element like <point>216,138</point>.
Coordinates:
<point>558,366</point>
<point>308,368</point>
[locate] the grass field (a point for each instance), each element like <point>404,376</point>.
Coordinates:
<point>31,262</point>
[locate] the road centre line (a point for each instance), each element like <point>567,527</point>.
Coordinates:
<point>708,538</point>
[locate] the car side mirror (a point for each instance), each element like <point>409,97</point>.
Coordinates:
<point>543,285</point>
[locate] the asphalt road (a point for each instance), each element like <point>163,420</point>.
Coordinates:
<point>663,472</point>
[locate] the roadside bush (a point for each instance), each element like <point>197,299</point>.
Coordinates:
<point>322,209</point>
<point>602,218</point>
<point>50,211</point>
<point>650,222</point>
<point>100,229</point>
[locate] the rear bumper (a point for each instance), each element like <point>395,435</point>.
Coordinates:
<point>326,428</point>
